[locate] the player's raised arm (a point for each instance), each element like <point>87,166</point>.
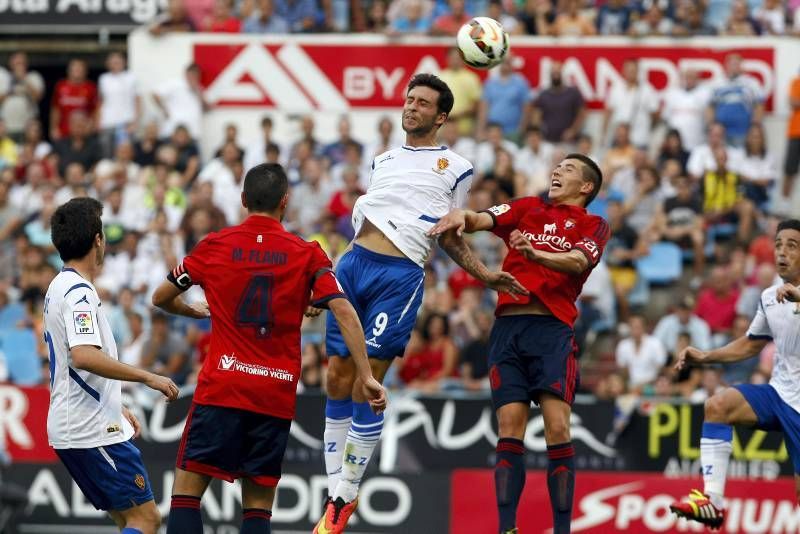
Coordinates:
<point>460,221</point>
<point>739,349</point>
<point>90,358</point>
<point>353,335</point>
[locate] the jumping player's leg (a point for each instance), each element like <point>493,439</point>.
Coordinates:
<point>256,507</point>
<point>141,519</point>
<point>184,511</point>
<point>509,471</point>
<point>362,438</point>
<point>340,379</point>
<point>731,406</point>
<point>560,459</point>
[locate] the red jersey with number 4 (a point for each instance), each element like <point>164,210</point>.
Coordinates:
<point>551,228</point>
<point>258,280</point>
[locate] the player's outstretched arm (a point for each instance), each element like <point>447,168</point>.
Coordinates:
<point>168,297</point>
<point>737,350</point>
<point>90,358</point>
<point>353,334</point>
<point>461,221</point>
<point>572,262</point>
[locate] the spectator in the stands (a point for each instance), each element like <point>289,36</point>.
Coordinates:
<point>222,19</point>
<point>436,361</point>
<point>690,21</point>
<point>80,147</point>
<point>412,20</point>
<point>683,320</point>
<point>537,17</point>
<point>559,110</point>
<point>175,20</point>
<point>685,106</point>
<point>740,22</point>
<point>450,22</point>
<point>737,102</point>
<point>641,356</point>
<point>751,295</point>
<point>74,93</point>
<point>466,88</point>
<point>21,89</point>
<point>702,157</point>
<point>634,102</point>
<point>572,22</point>
<point>759,169</point>
<point>334,152</point>
<point>119,103</point>
<point>716,304</point>
<point>614,18</point>
<point>182,103</point>
<point>265,20</point>
<point>723,202</point>
<point>792,162</point>
<point>771,17</point>
<point>651,23</point>
<point>622,249</point>
<point>505,101</point>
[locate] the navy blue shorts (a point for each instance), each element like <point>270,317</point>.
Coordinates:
<point>386,292</point>
<point>775,414</point>
<point>529,354</point>
<point>229,443</point>
<point>112,477</point>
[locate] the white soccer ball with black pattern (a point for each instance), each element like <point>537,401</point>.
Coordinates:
<point>483,43</point>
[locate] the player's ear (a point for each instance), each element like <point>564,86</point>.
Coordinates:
<point>285,200</point>
<point>244,201</point>
<point>440,119</point>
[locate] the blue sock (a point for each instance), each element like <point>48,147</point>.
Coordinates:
<point>561,484</point>
<point>509,479</point>
<point>255,521</point>
<point>129,530</point>
<point>184,515</point>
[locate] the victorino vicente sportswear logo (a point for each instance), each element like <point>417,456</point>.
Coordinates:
<point>226,362</point>
<point>231,363</point>
<point>550,238</point>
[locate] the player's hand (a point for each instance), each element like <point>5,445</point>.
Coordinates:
<point>137,427</point>
<point>454,220</point>
<point>787,292</point>
<point>504,282</point>
<point>164,385</point>
<point>376,395</point>
<point>311,311</point>
<point>689,355</point>
<point>520,243</point>
<point>199,310</point>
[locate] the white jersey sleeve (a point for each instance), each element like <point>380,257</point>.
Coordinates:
<point>410,189</point>
<point>759,326</point>
<point>80,315</point>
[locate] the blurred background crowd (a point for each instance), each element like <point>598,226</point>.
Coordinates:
<point>692,217</point>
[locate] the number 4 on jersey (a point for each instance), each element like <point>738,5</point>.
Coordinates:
<point>255,305</point>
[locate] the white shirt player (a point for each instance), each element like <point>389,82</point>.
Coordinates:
<point>85,409</point>
<point>410,189</point>
<point>781,323</point>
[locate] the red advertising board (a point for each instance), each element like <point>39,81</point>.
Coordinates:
<point>623,502</point>
<point>345,76</point>
<point>23,423</point>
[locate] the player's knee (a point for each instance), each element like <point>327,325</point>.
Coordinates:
<point>146,517</point>
<point>556,432</point>
<point>339,382</point>
<point>716,409</point>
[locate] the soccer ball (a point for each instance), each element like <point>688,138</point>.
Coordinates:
<point>483,43</point>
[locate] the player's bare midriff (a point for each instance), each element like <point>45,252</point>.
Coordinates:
<point>534,307</point>
<point>372,238</point>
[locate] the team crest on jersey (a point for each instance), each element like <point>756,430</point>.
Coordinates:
<point>83,322</point>
<point>441,165</point>
<point>499,210</point>
<point>139,481</point>
<point>569,224</point>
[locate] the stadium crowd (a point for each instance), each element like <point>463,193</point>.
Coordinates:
<point>702,199</point>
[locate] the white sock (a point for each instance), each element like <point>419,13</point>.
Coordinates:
<point>361,442</point>
<point>715,453</point>
<point>334,440</point>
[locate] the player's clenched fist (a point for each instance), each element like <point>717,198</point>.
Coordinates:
<point>376,395</point>
<point>689,354</point>
<point>164,385</point>
<point>788,292</point>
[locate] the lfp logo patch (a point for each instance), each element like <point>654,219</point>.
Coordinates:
<point>83,322</point>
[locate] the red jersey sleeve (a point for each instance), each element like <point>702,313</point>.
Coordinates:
<point>507,216</point>
<point>594,236</point>
<point>192,270</point>
<point>324,285</point>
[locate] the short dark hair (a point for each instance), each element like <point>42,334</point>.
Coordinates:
<point>789,224</point>
<point>264,187</point>
<point>74,226</point>
<point>266,120</point>
<point>444,103</point>
<point>591,173</point>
